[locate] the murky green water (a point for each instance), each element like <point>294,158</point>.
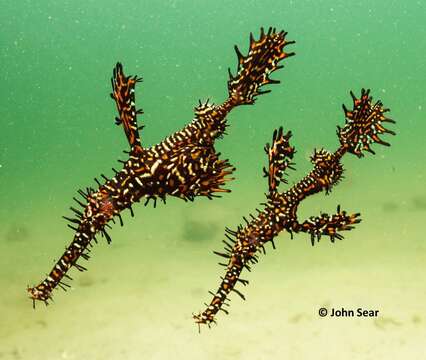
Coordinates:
<point>136,300</point>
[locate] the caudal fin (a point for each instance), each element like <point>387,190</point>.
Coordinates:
<point>254,69</point>
<point>364,124</point>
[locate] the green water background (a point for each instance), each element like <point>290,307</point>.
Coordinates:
<point>136,300</point>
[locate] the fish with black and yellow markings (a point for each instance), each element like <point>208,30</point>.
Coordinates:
<point>363,127</point>
<point>184,165</point>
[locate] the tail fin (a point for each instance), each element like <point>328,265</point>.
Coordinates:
<point>253,70</point>
<point>363,125</point>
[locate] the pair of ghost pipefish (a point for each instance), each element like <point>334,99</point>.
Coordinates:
<point>363,125</point>
<point>183,165</point>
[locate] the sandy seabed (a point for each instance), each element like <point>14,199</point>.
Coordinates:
<point>133,307</point>
<point>136,300</point>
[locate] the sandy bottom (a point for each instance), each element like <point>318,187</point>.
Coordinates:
<point>136,300</point>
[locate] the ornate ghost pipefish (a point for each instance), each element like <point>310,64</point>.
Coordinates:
<point>364,124</point>
<point>184,165</point>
